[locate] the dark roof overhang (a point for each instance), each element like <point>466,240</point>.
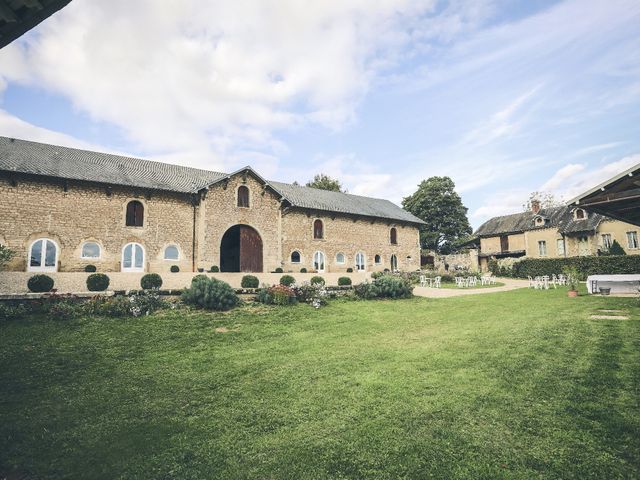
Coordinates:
<point>17,17</point>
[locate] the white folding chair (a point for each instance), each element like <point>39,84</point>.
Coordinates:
<point>436,282</point>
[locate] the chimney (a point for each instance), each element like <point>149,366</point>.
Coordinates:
<point>535,206</point>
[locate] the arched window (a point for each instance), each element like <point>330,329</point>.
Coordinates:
<point>43,256</point>
<point>377,259</point>
<point>360,265</point>
<point>295,257</point>
<point>318,261</point>
<point>394,263</point>
<point>171,253</point>
<point>133,258</point>
<point>90,250</point>
<point>243,196</point>
<point>393,236</point>
<point>318,229</point>
<point>579,214</point>
<point>135,214</point>
<point>340,258</point>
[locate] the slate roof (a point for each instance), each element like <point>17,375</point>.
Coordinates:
<point>558,217</point>
<point>35,158</point>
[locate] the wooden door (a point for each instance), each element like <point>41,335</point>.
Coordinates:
<point>250,250</point>
<point>504,243</point>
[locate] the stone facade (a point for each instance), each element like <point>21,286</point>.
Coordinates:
<point>71,213</point>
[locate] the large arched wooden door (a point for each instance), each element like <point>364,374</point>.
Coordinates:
<point>241,250</point>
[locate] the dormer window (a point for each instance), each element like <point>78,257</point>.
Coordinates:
<point>579,214</point>
<point>539,221</point>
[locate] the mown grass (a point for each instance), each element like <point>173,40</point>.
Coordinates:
<point>518,384</point>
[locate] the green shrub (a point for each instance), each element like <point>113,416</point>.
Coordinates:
<point>151,280</point>
<point>303,270</point>
<point>210,294</point>
<point>174,269</point>
<point>344,281</point>
<point>214,269</point>
<point>90,268</point>
<point>446,278</point>
<point>145,303</point>
<point>287,280</point>
<point>282,295</point>
<point>264,296</point>
<point>12,312</point>
<point>375,275</point>
<point>317,280</point>
<point>40,283</point>
<point>349,270</point>
<point>119,306</point>
<point>278,270</point>
<point>64,310</point>
<point>6,254</point>
<point>366,290</point>
<point>97,282</point>
<point>616,249</point>
<point>250,281</point>
<point>390,286</point>
<point>607,265</point>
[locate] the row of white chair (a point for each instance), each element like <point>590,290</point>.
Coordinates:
<point>545,282</point>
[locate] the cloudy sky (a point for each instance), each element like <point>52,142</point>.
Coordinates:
<point>505,97</point>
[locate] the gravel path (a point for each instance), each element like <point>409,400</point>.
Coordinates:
<point>509,284</point>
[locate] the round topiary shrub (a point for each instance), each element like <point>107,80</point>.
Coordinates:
<point>250,281</point>
<point>210,293</point>
<point>40,283</point>
<point>97,282</point>
<point>214,269</point>
<point>287,280</point>
<point>317,280</point>
<point>278,270</point>
<point>349,270</point>
<point>303,270</point>
<point>344,281</point>
<point>174,269</point>
<point>90,268</point>
<point>151,281</point>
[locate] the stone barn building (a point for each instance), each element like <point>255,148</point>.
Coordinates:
<point>62,209</point>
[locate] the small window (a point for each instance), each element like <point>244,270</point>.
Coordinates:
<point>579,214</point>
<point>318,229</point>
<point>542,248</point>
<point>606,240</point>
<point>295,257</point>
<point>560,247</point>
<point>539,221</point>
<point>91,250</point>
<point>393,236</point>
<point>133,258</point>
<point>171,253</point>
<point>318,261</point>
<point>340,258</point>
<point>243,196</point>
<point>135,214</point>
<point>377,259</point>
<point>43,256</point>
<point>632,239</point>
<point>360,265</point>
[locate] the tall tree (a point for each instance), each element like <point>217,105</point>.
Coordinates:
<point>325,182</point>
<point>437,203</point>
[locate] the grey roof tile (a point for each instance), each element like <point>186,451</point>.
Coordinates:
<point>70,163</point>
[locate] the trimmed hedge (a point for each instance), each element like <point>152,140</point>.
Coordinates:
<point>40,283</point>
<point>150,281</point>
<point>97,282</point>
<point>90,268</point>
<point>214,269</point>
<point>303,270</point>
<point>174,269</point>
<point>344,281</point>
<point>250,281</point>
<point>287,280</point>
<point>278,270</point>
<point>317,280</point>
<point>608,265</point>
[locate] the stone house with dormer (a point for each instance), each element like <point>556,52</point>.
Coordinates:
<point>62,209</point>
<point>565,231</point>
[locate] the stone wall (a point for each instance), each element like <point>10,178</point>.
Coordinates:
<point>347,235</point>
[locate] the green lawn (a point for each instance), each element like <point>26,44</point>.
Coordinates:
<point>518,384</point>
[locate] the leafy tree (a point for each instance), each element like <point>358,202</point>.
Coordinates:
<point>6,254</point>
<point>545,199</point>
<point>325,182</point>
<point>437,203</point>
<point>616,249</point>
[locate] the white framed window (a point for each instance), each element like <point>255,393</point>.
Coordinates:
<point>632,239</point>
<point>340,258</point>
<point>606,240</point>
<point>579,214</point>
<point>43,256</point>
<point>295,256</point>
<point>90,250</point>
<point>560,247</point>
<point>394,263</point>
<point>318,261</point>
<point>133,258</point>
<point>542,248</point>
<point>171,252</point>
<point>360,262</point>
